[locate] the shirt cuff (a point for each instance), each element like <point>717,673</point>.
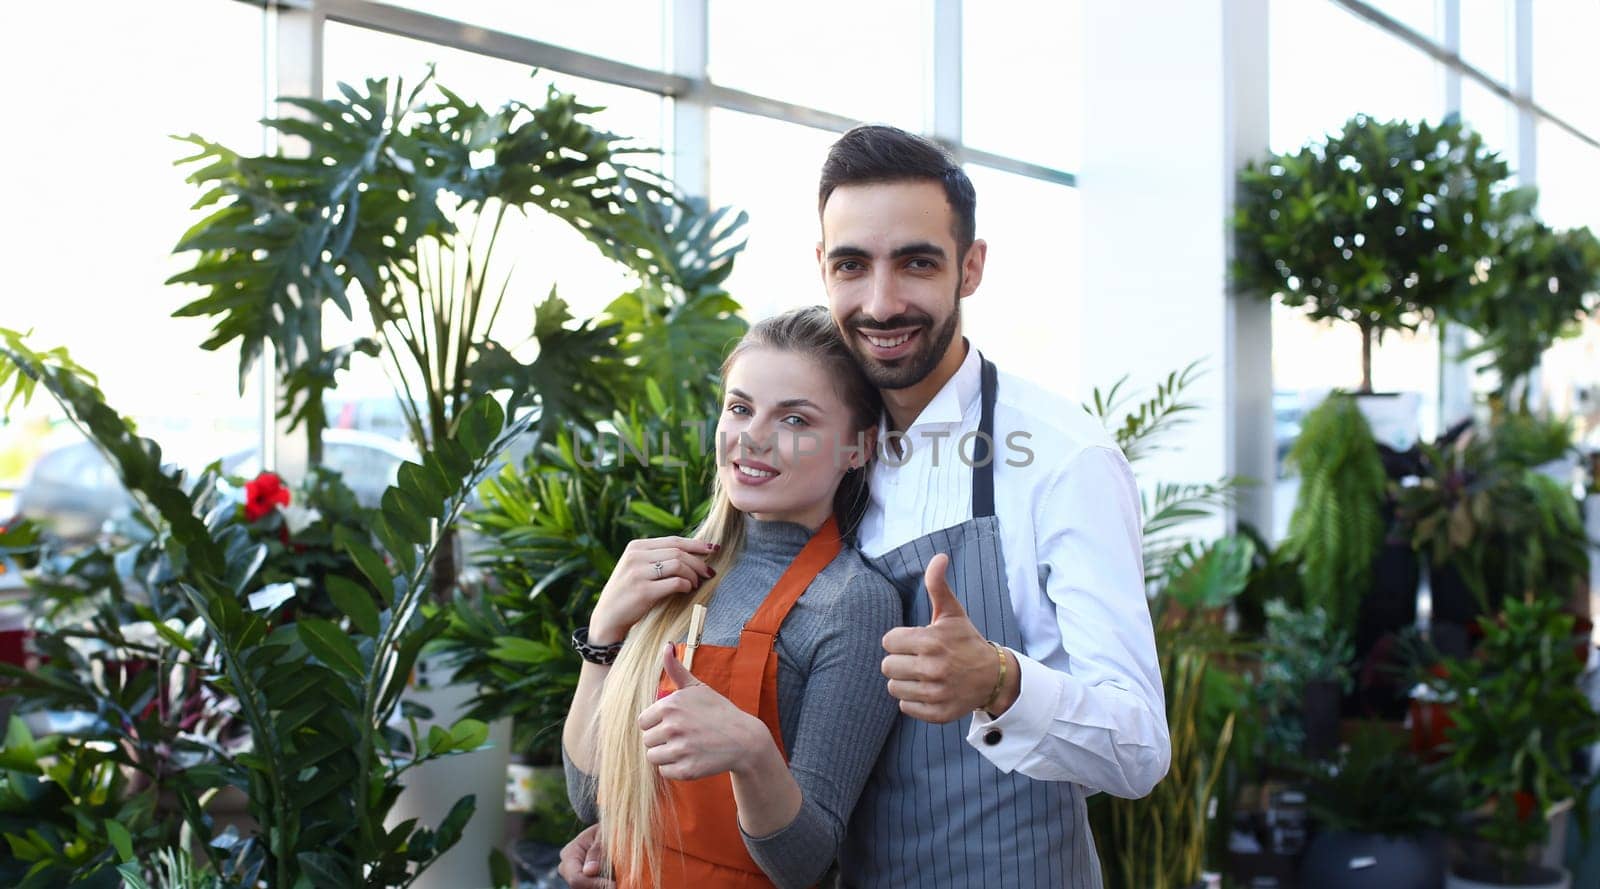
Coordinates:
<point>1008,739</point>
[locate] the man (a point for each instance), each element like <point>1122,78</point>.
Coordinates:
<point>1010,522</point>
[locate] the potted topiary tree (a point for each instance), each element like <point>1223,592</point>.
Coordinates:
<point>1537,287</point>
<point>1519,721</point>
<point>1381,226</point>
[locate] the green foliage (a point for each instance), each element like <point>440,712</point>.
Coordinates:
<point>559,524</point>
<point>1380,226</point>
<point>1538,287</point>
<point>1507,530</point>
<point>1161,840</point>
<point>1274,576</point>
<point>399,201</point>
<point>1301,647</point>
<point>21,385</point>
<point>1206,578</point>
<point>1525,439</point>
<point>308,557</point>
<point>1139,429</point>
<point>63,807</point>
<point>324,763</point>
<point>1378,786</point>
<point>1519,719</point>
<point>170,869</point>
<point>1337,524</point>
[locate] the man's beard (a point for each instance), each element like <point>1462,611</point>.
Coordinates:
<point>911,369</point>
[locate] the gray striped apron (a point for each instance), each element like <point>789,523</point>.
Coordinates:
<point>935,811</point>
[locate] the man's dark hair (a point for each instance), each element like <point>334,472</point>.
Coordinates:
<point>873,155</point>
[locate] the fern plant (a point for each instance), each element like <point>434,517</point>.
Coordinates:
<point>1337,525</point>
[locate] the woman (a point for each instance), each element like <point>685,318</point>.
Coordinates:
<point>745,776</point>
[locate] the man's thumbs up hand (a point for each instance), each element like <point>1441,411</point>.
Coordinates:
<point>946,669</point>
<point>940,596</point>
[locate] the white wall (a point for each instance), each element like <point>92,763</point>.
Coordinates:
<point>1174,100</point>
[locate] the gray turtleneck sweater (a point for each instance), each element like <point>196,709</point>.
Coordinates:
<point>834,709</point>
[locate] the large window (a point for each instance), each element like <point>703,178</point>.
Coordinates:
<point>1021,87</point>
<point>1027,307</point>
<point>1565,64</point>
<point>1329,61</point>
<point>874,62</point>
<point>769,169</point>
<point>96,207</point>
<point>632,31</point>
<point>536,254</point>
<point>870,61</point>
<point>1325,65</point>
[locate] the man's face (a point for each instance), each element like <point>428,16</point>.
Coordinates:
<point>894,278</point>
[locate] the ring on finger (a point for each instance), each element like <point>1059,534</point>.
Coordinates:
<point>657,566</point>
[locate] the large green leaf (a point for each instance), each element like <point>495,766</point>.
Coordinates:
<point>1208,577</point>
<point>331,646</point>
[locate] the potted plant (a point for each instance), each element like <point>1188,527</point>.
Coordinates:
<point>1491,529</point>
<point>316,696</point>
<point>1519,721</point>
<point>1304,673</point>
<point>1337,529</point>
<point>1537,287</point>
<point>399,202</point>
<point>1164,840</point>
<point>1381,816</point>
<point>1380,226</point>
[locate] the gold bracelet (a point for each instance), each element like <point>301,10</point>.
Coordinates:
<point>1001,681</point>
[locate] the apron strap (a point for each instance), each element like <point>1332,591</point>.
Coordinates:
<point>760,633</point>
<point>983,453</point>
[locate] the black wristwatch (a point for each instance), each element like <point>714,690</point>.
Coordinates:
<point>605,655</point>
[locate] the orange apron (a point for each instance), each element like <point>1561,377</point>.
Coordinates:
<point>701,844</point>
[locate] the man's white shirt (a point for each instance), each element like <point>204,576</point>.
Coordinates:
<point>1091,708</point>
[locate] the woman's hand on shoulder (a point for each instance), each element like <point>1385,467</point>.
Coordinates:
<point>651,569</point>
<point>695,732</point>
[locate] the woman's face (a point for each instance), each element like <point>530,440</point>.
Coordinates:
<point>783,437</point>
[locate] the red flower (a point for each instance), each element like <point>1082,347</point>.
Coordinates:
<point>263,495</point>
<point>1525,804</point>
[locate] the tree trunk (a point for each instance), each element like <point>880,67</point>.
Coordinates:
<point>445,571</point>
<point>1366,357</point>
<point>313,445</point>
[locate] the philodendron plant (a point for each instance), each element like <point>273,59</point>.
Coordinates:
<point>317,697</point>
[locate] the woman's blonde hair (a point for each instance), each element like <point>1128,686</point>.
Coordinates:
<point>630,788</point>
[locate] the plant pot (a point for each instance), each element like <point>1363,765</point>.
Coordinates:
<point>1548,878</point>
<point>1339,859</point>
<point>433,787</point>
<point>1554,853</point>
<point>1388,609</point>
<point>1455,609</point>
<point>1320,717</point>
<point>1591,524</point>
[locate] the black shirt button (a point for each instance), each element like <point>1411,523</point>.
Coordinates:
<point>991,737</point>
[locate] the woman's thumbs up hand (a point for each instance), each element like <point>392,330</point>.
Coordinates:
<point>695,732</point>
